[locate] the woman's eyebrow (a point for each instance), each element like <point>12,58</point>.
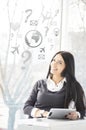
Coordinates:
<point>59,60</point>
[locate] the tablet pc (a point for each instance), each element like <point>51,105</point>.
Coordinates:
<point>59,113</point>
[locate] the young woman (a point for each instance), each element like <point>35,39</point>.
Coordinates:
<point>59,90</point>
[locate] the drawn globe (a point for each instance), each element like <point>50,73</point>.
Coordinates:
<point>33,38</point>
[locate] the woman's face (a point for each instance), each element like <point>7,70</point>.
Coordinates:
<point>57,65</point>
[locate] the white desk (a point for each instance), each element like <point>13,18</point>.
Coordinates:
<point>50,124</point>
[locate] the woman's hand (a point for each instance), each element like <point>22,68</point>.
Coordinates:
<point>41,113</point>
<point>73,116</point>
<point>45,113</point>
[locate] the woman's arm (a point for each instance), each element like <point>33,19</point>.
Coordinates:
<point>29,104</point>
<point>78,104</point>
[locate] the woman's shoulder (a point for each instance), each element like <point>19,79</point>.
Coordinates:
<point>42,81</point>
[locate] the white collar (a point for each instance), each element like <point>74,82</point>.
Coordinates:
<point>55,87</point>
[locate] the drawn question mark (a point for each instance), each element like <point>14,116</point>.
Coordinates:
<point>29,11</point>
<point>26,55</point>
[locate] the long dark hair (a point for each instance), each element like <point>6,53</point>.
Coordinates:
<point>69,74</point>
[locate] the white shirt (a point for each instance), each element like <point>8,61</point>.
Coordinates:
<point>55,87</point>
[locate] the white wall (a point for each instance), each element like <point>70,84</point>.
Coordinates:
<point>31,31</point>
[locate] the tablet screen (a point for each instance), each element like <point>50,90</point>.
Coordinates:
<point>58,113</point>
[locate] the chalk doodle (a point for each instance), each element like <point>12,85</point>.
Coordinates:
<point>26,55</point>
<point>56,12</point>
<point>46,30</point>
<point>33,22</point>
<point>42,50</point>
<point>15,49</point>
<point>29,11</point>
<point>46,16</point>
<point>15,26</point>
<point>33,38</point>
<point>41,57</point>
<point>56,32</point>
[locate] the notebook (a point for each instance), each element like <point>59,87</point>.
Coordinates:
<point>59,113</point>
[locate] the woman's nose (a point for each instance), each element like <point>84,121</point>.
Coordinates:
<point>54,64</point>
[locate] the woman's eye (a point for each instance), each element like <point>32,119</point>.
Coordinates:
<point>60,62</point>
